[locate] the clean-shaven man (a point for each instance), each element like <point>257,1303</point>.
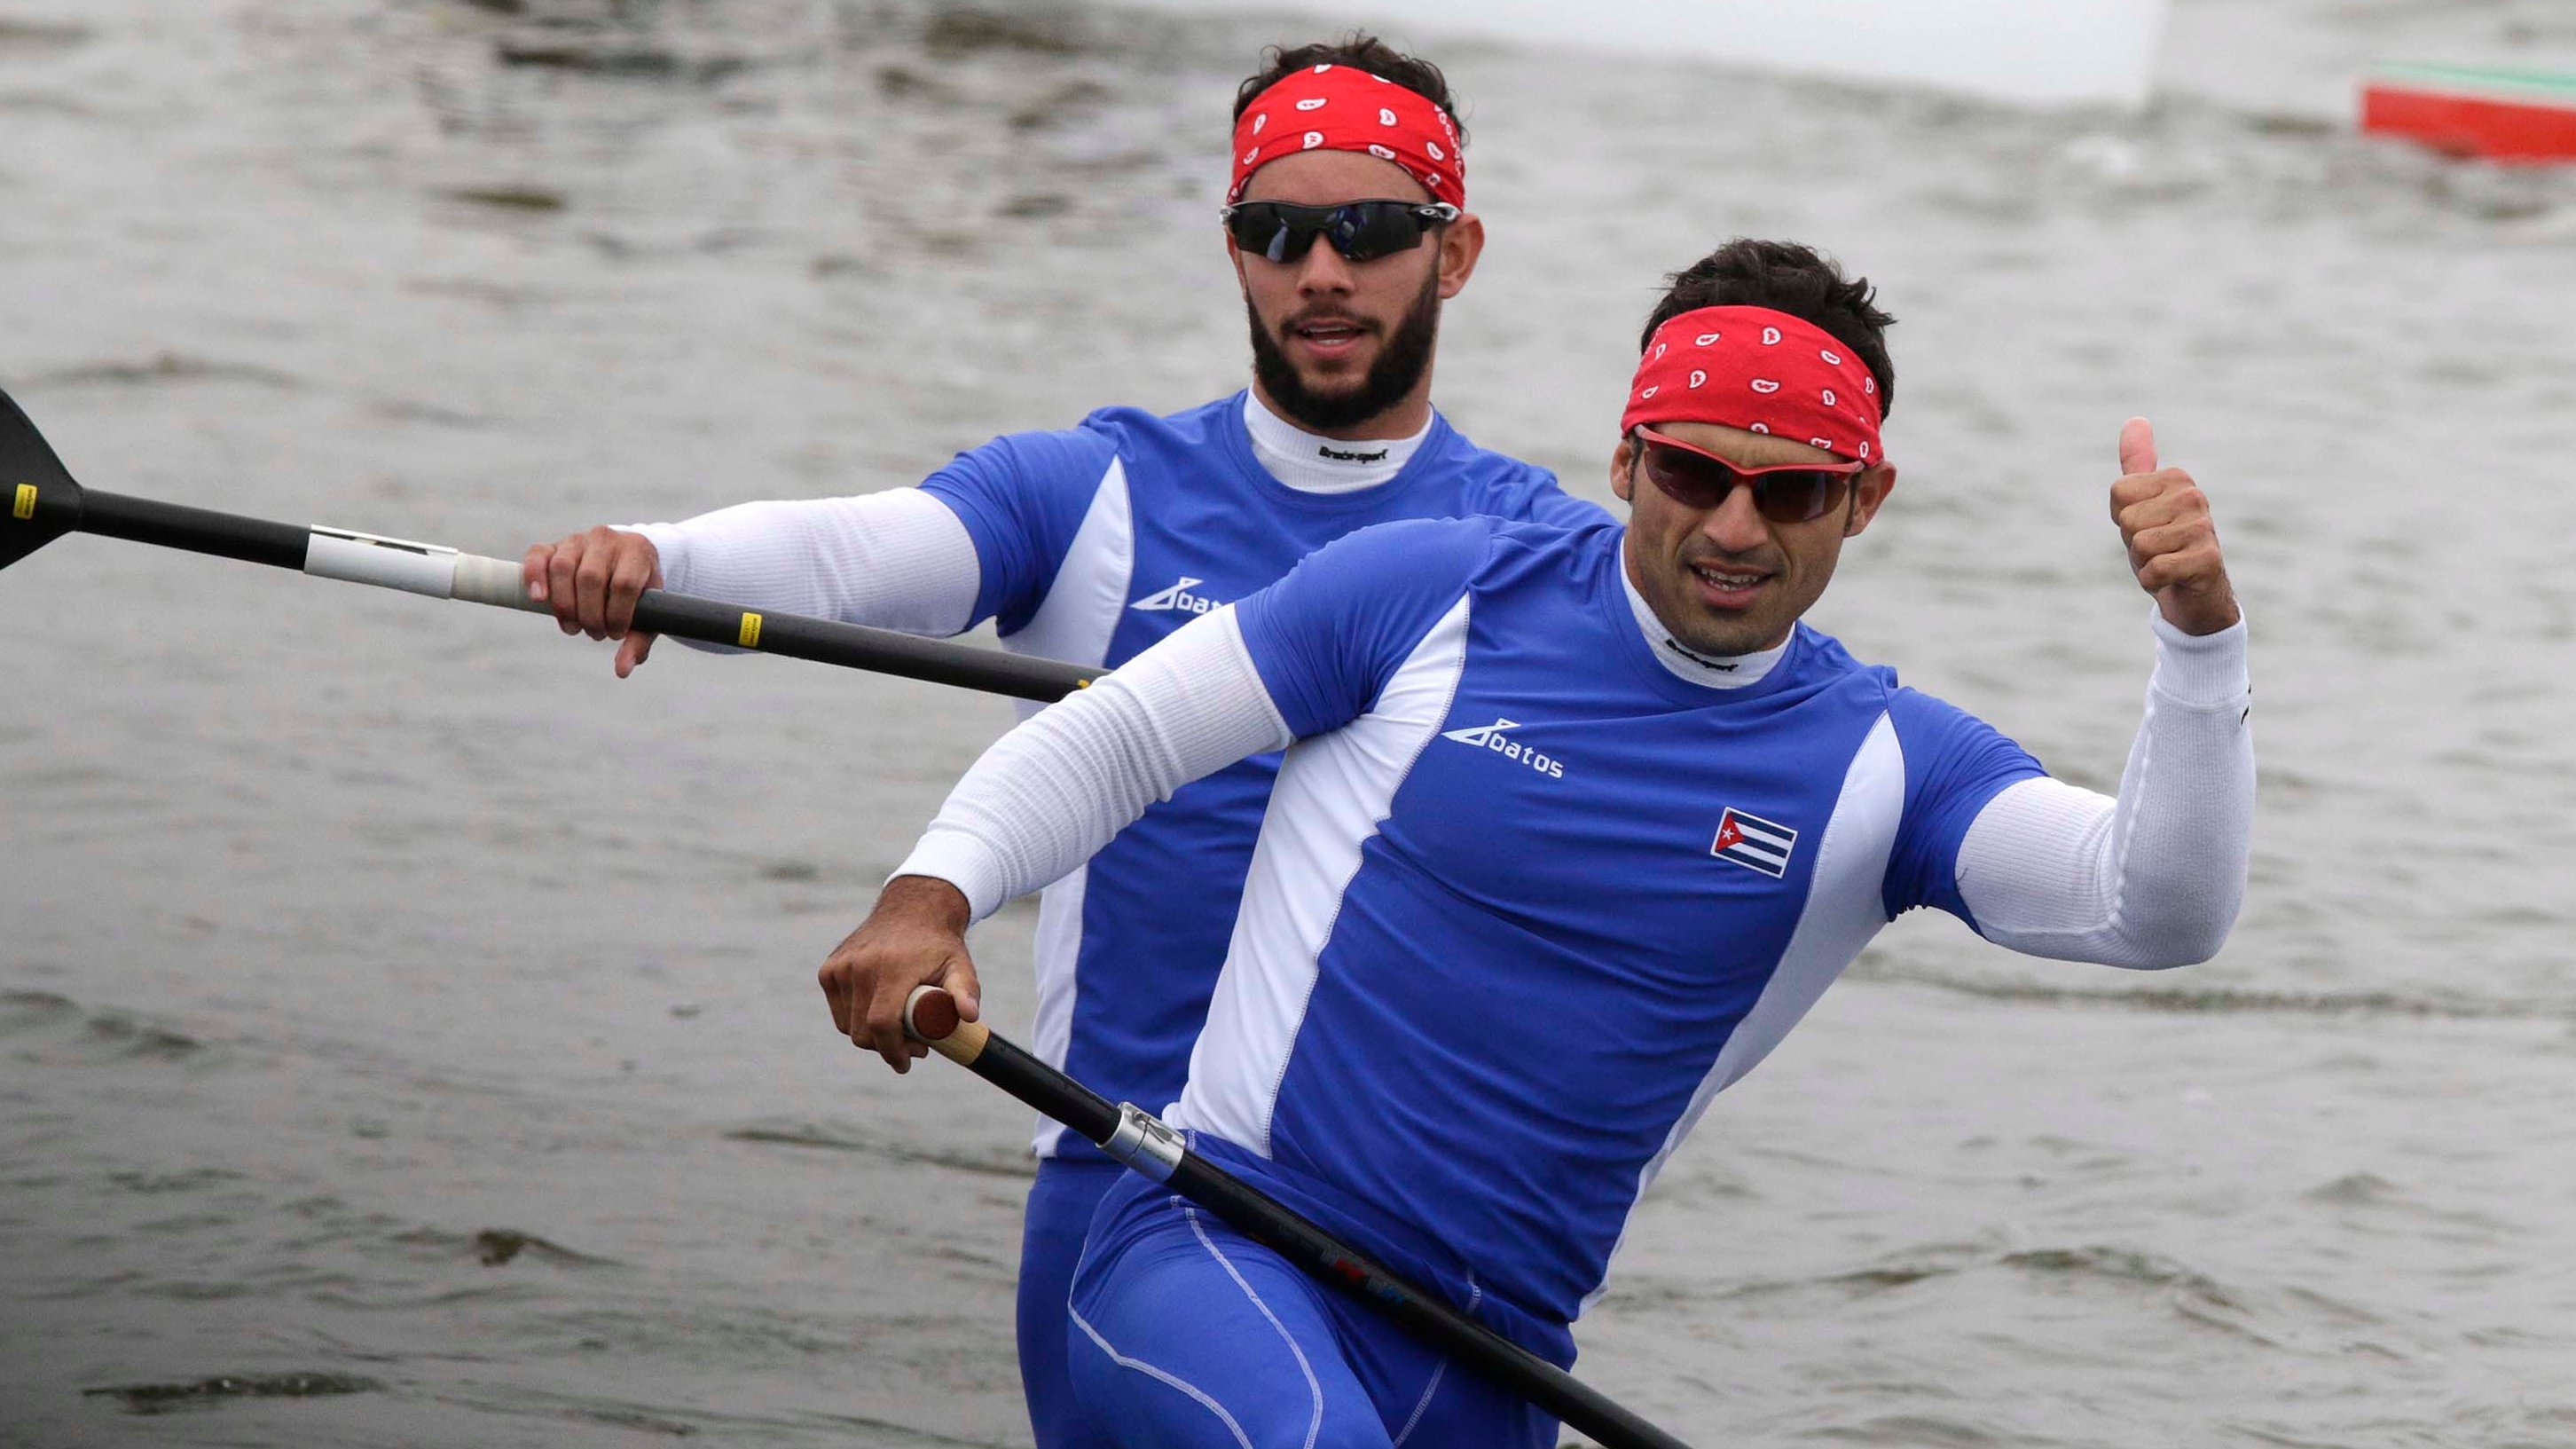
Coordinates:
<point>1574,825</point>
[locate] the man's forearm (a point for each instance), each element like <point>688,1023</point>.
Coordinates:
<point>896,560</point>
<point>1048,795</point>
<point>2154,878</point>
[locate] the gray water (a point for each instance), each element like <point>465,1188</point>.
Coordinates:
<point>407,1031</point>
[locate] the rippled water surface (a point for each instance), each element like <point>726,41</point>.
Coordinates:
<point>407,1031</point>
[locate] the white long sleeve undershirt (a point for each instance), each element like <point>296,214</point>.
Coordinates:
<point>1311,463</point>
<point>899,559</point>
<point>1048,795</point>
<point>2152,878</point>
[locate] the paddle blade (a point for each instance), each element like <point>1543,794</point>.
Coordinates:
<point>39,502</point>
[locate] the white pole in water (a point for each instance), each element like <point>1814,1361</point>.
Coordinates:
<point>2027,52</point>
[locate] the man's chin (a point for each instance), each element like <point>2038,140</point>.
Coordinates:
<point>1721,633</point>
<point>1333,381</point>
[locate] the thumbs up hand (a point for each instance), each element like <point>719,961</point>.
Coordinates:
<point>2173,546</point>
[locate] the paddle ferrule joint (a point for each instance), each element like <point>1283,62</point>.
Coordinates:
<point>1144,1142</point>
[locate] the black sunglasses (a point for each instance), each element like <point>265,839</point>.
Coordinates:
<point>1698,479</point>
<point>1362,231</point>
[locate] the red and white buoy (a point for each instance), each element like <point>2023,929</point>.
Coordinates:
<point>2520,117</point>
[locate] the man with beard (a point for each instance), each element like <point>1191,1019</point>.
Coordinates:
<point>1091,544</point>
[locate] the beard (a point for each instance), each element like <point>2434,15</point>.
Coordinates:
<point>1399,367</point>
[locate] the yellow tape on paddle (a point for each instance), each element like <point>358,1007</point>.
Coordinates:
<point>26,505</point>
<point>749,638</point>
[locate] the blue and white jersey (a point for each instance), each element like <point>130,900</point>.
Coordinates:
<point>1506,827</point>
<point>1095,543</point>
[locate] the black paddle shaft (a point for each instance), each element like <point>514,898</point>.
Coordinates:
<point>856,646</point>
<point>39,502</point>
<point>1147,1146</point>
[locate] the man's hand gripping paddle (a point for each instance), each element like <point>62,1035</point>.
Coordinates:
<point>1136,1138</point>
<point>39,503</point>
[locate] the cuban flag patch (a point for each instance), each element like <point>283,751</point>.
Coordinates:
<point>1754,843</point>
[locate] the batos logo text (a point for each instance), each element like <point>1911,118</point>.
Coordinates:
<point>1179,598</point>
<point>1490,737</point>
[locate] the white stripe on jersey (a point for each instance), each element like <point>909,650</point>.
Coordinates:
<point>1057,948</point>
<point>1074,624</point>
<point>1846,905</point>
<point>1081,608</point>
<point>1333,792</point>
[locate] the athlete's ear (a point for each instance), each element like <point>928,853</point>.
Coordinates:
<point>1623,464</point>
<point>1461,242</point>
<point>1869,490</point>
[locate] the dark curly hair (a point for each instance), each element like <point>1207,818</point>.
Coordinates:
<point>1361,51</point>
<point>1785,277</point>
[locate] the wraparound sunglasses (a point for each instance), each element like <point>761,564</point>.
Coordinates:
<point>1362,231</point>
<point>1784,493</point>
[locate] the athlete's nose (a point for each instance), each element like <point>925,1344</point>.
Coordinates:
<point>1324,271</point>
<point>1735,525</point>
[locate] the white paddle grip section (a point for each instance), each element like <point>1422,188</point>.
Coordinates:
<point>388,563</point>
<point>495,581</point>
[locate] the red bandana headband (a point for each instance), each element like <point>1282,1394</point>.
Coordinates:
<point>1344,108</point>
<point>1764,371</point>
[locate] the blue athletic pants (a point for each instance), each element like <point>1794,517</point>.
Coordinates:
<point>1185,1334</point>
<point>1060,1208</point>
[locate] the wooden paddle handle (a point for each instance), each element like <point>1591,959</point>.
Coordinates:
<point>930,1015</point>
